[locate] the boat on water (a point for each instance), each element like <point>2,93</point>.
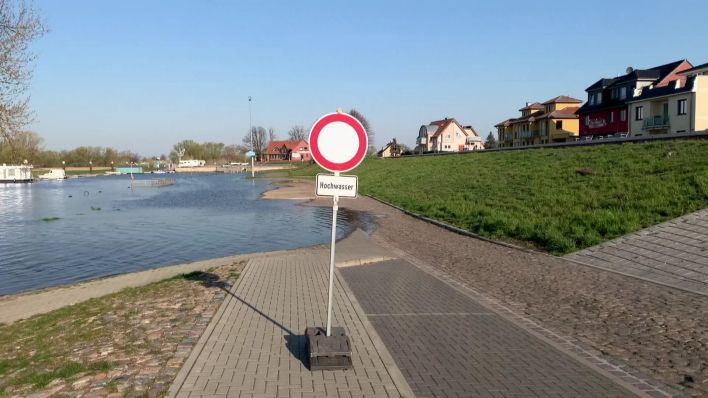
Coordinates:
<point>53,175</point>
<point>12,173</point>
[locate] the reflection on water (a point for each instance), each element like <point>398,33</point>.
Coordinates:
<point>106,228</point>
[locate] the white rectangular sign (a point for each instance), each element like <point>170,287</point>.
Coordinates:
<point>342,186</point>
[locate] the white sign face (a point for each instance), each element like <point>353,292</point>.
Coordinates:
<point>340,186</point>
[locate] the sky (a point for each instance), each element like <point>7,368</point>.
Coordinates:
<point>144,75</point>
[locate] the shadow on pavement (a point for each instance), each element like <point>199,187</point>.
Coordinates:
<point>295,343</point>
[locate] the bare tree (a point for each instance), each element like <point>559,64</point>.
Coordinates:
<point>259,136</point>
<point>19,27</point>
<point>272,136</point>
<point>367,127</point>
<point>297,133</point>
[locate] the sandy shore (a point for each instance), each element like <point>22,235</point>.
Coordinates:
<point>657,330</point>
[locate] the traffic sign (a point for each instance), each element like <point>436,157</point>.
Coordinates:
<point>250,154</point>
<point>338,142</point>
<point>340,186</point>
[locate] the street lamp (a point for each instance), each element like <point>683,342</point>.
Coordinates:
<point>113,168</point>
<point>63,165</point>
<point>250,131</point>
<point>90,166</point>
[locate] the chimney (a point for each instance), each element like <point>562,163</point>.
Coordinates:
<point>528,103</point>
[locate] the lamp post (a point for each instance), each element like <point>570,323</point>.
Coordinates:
<point>90,166</point>
<point>63,165</point>
<point>113,168</point>
<point>250,131</point>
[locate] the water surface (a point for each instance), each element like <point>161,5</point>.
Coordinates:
<point>106,228</point>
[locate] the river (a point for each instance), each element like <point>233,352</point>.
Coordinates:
<point>62,232</point>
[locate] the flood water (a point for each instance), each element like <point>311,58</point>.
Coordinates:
<point>106,228</point>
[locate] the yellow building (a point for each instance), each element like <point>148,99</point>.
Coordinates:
<point>679,107</point>
<point>552,121</point>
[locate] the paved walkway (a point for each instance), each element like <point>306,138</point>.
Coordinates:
<point>674,253</point>
<point>447,344</point>
<point>435,340</point>
<point>255,346</point>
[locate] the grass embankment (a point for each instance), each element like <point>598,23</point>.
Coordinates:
<point>122,342</point>
<point>541,196</point>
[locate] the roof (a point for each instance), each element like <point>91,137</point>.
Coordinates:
<point>535,105</point>
<point>290,145</point>
<point>565,113</point>
<point>648,93</point>
<point>502,123</point>
<point>655,74</point>
<point>442,125</point>
<point>694,69</point>
<point>563,99</point>
<point>602,83</point>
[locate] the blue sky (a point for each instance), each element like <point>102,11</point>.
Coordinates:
<point>143,75</point>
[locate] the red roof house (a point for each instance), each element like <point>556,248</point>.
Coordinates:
<point>287,151</point>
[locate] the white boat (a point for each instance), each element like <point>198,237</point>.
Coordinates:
<point>15,173</point>
<point>53,174</point>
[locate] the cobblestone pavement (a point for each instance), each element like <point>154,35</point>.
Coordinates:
<point>674,253</point>
<point>447,344</point>
<point>255,346</point>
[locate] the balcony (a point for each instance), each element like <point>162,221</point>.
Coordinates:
<point>656,123</point>
<point>530,134</point>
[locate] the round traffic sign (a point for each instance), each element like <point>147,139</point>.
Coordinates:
<point>338,142</point>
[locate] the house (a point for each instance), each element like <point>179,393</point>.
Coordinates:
<point>447,135</point>
<point>541,123</point>
<point>391,150</point>
<point>297,151</point>
<point>606,111</point>
<point>680,106</point>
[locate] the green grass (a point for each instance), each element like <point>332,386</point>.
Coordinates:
<point>537,196</point>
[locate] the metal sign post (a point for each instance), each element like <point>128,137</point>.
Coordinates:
<point>338,143</point>
<point>335,207</point>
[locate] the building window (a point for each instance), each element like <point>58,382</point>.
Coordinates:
<point>587,121</point>
<point>682,107</point>
<point>639,113</point>
<point>598,100</point>
<point>623,93</point>
<point>623,115</point>
<point>610,117</point>
<point>559,125</point>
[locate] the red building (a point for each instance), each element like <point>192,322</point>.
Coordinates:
<point>296,151</point>
<point>605,112</point>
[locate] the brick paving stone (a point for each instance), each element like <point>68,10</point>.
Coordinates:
<point>674,253</point>
<point>255,344</point>
<point>447,344</point>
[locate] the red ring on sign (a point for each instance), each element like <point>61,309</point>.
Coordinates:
<point>360,133</point>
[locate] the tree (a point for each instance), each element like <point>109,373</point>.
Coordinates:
<point>259,136</point>
<point>233,153</point>
<point>19,27</point>
<point>491,142</point>
<point>365,123</point>
<point>297,133</point>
